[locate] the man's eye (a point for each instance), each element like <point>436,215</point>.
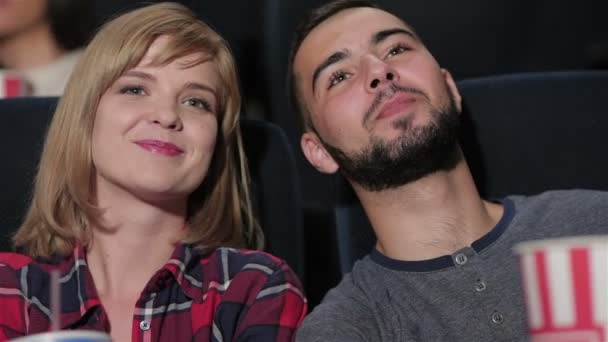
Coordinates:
<point>133,90</point>
<point>199,103</point>
<point>336,78</point>
<point>397,49</point>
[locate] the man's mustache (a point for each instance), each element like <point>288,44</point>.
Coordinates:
<point>389,92</point>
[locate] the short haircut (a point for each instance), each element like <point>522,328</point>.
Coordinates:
<point>62,210</point>
<point>309,23</point>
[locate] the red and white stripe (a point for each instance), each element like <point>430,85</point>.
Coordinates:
<point>566,292</point>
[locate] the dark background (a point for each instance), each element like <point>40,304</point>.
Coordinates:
<point>472,38</point>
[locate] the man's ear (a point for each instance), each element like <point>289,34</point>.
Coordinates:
<point>316,153</point>
<point>453,89</point>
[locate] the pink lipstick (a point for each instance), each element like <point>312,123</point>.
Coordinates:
<point>160,147</point>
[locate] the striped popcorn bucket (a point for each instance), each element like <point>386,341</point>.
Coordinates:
<point>12,85</point>
<point>565,285</point>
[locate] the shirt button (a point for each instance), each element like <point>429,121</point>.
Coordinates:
<point>497,317</point>
<point>480,285</point>
<point>461,259</point>
<point>144,325</point>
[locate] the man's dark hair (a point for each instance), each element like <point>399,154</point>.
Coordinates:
<point>72,22</point>
<point>308,23</point>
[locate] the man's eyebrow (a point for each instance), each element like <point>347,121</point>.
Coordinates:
<point>380,36</point>
<point>334,58</point>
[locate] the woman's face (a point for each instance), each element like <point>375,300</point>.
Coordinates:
<point>155,129</point>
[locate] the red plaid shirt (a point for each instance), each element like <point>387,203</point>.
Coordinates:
<point>228,295</point>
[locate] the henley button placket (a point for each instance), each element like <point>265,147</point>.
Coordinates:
<point>497,318</point>
<point>461,259</point>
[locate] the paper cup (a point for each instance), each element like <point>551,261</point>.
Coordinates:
<point>67,336</point>
<point>565,285</point>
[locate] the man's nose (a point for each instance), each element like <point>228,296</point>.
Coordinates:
<point>376,82</point>
<point>378,73</point>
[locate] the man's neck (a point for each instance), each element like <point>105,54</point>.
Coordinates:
<point>32,48</point>
<point>434,216</point>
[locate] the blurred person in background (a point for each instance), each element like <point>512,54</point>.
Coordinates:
<point>41,41</point>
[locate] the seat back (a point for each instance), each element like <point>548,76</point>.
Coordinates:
<point>522,134</point>
<point>22,135</point>
<point>275,188</point>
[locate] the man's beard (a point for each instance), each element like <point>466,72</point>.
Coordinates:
<point>414,154</point>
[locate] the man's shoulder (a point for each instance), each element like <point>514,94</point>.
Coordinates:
<point>564,196</point>
<point>560,200</point>
<point>347,310</point>
<point>355,287</point>
<point>585,211</point>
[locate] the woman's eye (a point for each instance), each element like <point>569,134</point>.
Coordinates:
<point>133,90</point>
<point>336,78</point>
<point>398,49</point>
<point>199,103</point>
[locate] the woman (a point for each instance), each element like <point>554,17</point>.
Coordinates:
<point>141,198</point>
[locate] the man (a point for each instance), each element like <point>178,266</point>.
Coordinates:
<point>377,107</point>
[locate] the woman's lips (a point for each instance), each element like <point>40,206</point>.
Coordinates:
<point>160,147</point>
<point>399,103</point>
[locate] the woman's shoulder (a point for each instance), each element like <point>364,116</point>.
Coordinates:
<point>16,268</point>
<point>14,261</point>
<point>231,266</point>
<point>238,260</point>
<point>249,276</point>
<point>11,265</point>
<point>255,290</point>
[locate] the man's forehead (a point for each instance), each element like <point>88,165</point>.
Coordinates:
<point>357,19</point>
<point>351,26</point>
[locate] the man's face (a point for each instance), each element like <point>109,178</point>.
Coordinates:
<point>378,100</point>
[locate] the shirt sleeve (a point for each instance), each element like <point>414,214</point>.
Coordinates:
<point>342,316</point>
<point>261,304</point>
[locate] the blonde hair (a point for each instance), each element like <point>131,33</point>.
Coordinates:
<point>61,211</point>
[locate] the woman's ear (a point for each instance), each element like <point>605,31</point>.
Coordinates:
<point>453,89</point>
<point>316,153</point>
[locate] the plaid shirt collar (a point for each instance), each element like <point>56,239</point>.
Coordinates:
<point>181,267</point>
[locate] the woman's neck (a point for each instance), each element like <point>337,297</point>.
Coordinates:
<point>132,239</point>
<point>124,259</point>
